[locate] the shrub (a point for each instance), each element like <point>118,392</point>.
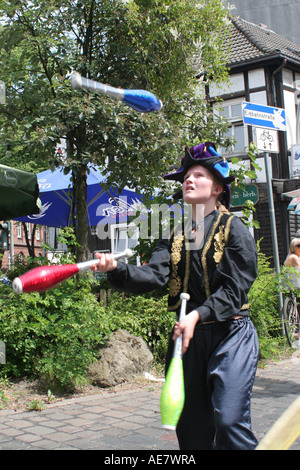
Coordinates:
<point>145,316</point>
<point>263,299</point>
<point>55,335</point>
<point>52,335</point>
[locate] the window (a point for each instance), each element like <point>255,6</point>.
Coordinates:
<point>232,111</point>
<point>38,232</point>
<point>123,237</point>
<point>19,230</point>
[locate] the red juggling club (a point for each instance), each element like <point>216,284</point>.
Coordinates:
<point>44,278</point>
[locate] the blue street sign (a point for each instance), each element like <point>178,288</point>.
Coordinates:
<point>264,116</point>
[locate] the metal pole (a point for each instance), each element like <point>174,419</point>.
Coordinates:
<point>273,225</point>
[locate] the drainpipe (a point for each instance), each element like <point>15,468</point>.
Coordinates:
<point>297,119</point>
<point>273,79</point>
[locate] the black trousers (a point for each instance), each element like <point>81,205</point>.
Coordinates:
<point>219,370</point>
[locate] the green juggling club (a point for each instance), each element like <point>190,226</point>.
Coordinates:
<point>172,395</point>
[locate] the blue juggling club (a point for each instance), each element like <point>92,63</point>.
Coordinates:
<point>140,100</point>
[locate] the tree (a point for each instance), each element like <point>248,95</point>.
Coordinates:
<point>172,48</point>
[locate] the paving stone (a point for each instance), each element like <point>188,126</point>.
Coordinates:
<point>131,420</point>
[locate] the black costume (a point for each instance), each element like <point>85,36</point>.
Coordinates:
<point>221,361</point>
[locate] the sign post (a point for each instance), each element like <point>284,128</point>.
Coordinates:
<point>270,119</point>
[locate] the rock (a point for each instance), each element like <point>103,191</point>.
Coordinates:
<point>124,357</point>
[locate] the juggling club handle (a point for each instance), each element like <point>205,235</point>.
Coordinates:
<point>85,265</point>
<point>178,344</point>
<point>46,277</point>
<point>77,82</point>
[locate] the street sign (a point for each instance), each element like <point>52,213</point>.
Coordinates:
<point>264,116</point>
<point>266,140</point>
<point>240,196</point>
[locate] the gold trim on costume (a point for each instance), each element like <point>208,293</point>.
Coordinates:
<point>219,245</point>
<point>204,253</point>
<point>175,281</point>
<point>220,241</point>
<point>227,229</point>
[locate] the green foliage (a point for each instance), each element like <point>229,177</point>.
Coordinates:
<point>52,335</point>
<point>35,405</point>
<point>263,299</point>
<point>3,399</point>
<point>55,335</point>
<point>144,316</point>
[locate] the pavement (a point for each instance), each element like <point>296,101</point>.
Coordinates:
<point>130,420</point>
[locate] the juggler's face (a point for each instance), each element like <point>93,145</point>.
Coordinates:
<point>199,186</point>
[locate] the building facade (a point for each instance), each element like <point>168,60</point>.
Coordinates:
<point>264,69</point>
<point>17,246</point>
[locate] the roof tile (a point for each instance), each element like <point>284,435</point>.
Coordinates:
<point>248,41</point>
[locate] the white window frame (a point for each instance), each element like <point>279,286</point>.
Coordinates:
<point>38,233</point>
<point>234,121</point>
<point>123,229</point>
<point>28,230</point>
<point>19,230</point>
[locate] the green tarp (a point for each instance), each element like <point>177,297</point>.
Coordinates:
<point>19,192</point>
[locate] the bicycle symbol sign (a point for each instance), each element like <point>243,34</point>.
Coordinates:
<point>266,140</point>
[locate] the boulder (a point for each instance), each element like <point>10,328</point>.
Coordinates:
<point>123,357</point>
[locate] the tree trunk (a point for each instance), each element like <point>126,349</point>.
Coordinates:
<point>80,185</point>
<point>30,246</point>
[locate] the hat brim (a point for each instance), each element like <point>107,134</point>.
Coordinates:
<point>188,161</point>
<point>214,163</point>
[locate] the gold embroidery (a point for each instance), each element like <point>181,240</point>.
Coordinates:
<point>187,270</point>
<point>175,281</point>
<point>219,245</point>
<point>221,240</point>
<point>227,229</point>
<point>174,286</point>
<point>245,307</point>
<point>204,253</point>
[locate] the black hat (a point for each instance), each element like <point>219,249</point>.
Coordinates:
<point>204,154</point>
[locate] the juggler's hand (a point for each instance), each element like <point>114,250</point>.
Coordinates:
<point>186,327</point>
<point>106,262</point>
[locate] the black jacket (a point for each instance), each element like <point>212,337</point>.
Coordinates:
<point>217,275</point>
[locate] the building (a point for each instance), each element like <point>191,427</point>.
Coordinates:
<point>264,68</point>
<point>281,16</point>
<point>17,243</point>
